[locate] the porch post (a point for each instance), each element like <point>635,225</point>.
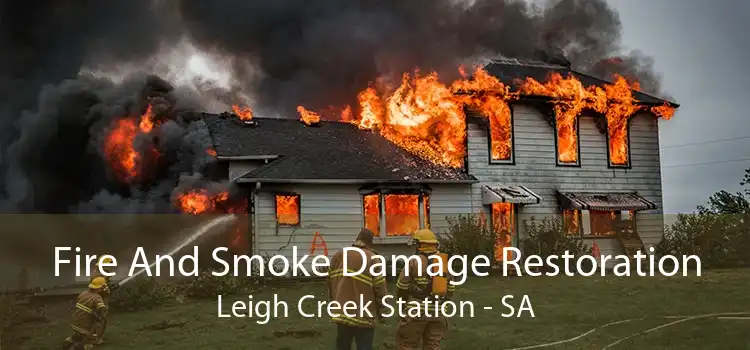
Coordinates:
<point>420,207</point>
<point>382,215</point>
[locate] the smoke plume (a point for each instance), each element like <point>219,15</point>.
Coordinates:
<point>55,118</point>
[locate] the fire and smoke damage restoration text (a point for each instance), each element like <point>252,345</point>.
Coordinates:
<point>459,266</point>
<point>304,265</point>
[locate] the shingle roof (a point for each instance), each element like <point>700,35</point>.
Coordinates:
<point>330,151</point>
<point>509,70</point>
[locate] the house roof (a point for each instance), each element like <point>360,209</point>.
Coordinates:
<point>510,70</point>
<point>330,152</point>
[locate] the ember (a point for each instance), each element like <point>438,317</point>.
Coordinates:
<point>308,117</point>
<point>244,113</point>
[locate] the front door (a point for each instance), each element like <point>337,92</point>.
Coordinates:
<point>504,228</point>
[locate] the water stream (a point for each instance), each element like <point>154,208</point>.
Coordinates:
<point>199,232</point>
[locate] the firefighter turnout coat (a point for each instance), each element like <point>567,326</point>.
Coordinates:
<point>357,288</point>
<point>429,328</point>
<point>89,311</point>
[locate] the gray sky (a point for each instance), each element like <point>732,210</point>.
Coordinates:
<point>701,49</point>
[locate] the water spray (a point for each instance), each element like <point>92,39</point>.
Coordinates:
<point>199,232</point>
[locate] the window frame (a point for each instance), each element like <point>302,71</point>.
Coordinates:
<point>512,160</point>
<point>423,198</point>
<point>578,162</point>
<point>629,163</point>
<point>276,208</point>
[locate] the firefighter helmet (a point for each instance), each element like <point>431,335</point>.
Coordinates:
<point>105,259</point>
<point>424,236</point>
<point>98,283</point>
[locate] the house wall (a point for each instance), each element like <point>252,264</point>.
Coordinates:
<point>535,167</point>
<point>336,212</point>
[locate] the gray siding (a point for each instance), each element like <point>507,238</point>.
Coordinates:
<point>535,168</point>
<point>335,211</point>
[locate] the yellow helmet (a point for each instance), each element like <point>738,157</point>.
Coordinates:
<point>105,259</point>
<point>98,283</point>
<point>424,236</point>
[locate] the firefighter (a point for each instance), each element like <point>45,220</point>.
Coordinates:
<point>105,293</point>
<point>343,289</point>
<point>90,310</point>
<point>414,284</point>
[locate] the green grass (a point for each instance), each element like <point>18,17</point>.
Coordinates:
<point>564,307</point>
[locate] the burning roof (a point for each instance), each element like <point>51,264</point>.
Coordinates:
<point>332,151</point>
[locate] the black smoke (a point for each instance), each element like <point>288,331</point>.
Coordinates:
<point>54,121</point>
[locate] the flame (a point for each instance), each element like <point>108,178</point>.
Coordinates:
<point>426,117</point>
<point>199,201</point>
<point>211,152</point>
<point>371,204</point>
<point>504,227</point>
<point>287,210</point>
<point>147,120</point>
<point>372,112</point>
<point>664,111</point>
<point>244,113</point>
<point>308,117</point>
<point>572,220</point>
<point>402,214</point>
<point>346,114</point>
<point>119,145</point>
<point>119,150</point>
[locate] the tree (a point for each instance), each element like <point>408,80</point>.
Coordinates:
<point>719,234</point>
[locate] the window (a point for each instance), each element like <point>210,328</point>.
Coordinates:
<point>567,143</point>
<point>501,134</point>
<point>504,227</point>
<point>597,223</point>
<point>288,209</point>
<point>402,213</point>
<point>618,142</point>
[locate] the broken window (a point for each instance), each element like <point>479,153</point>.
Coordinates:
<point>288,209</point>
<point>602,223</point>
<point>572,222</point>
<point>566,139</point>
<point>501,134</point>
<point>402,213</point>
<point>504,227</point>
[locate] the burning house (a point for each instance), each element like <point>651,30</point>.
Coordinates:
<point>515,141</point>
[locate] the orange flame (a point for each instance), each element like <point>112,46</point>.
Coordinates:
<point>119,145</point>
<point>147,121</point>
<point>427,117</point>
<point>244,113</point>
<point>119,149</point>
<point>211,152</point>
<point>308,117</point>
<point>371,204</point>
<point>287,210</point>
<point>346,114</point>
<point>504,228</point>
<point>402,214</point>
<point>199,201</point>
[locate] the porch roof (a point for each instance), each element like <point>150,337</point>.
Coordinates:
<point>509,194</point>
<point>604,201</point>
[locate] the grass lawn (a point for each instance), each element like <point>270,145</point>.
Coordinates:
<point>565,307</point>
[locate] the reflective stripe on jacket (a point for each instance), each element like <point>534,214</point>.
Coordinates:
<point>344,289</point>
<point>414,284</point>
<point>90,308</point>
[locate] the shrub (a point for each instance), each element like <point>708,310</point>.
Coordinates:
<point>143,294</point>
<point>719,240</point>
<point>549,237</point>
<point>208,286</point>
<point>467,235</point>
